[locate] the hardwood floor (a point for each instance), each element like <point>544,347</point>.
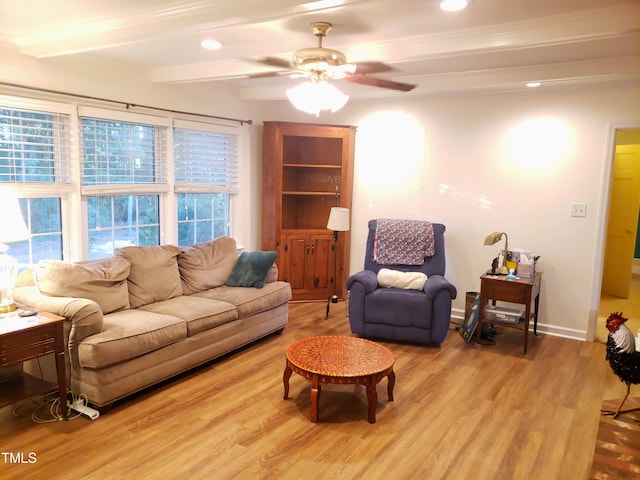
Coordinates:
<point>460,411</point>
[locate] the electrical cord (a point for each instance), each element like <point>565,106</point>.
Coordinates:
<point>49,411</point>
<point>54,408</point>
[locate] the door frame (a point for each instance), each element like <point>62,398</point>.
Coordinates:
<point>602,223</point>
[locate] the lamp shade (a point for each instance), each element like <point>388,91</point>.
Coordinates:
<point>493,238</point>
<point>316,95</point>
<point>13,228</point>
<point>338,219</point>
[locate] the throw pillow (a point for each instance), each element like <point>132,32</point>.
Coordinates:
<point>103,281</point>
<point>251,269</point>
<point>154,273</point>
<point>206,265</point>
<point>397,279</point>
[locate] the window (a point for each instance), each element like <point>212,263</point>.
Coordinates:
<point>34,158</point>
<point>202,217</point>
<point>91,179</point>
<point>123,174</point>
<point>206,175</point>
<point>44,219</point>
<point>122,220</point>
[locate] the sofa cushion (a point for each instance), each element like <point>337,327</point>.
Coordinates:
<point>251,269</point>
<point>199,313</point>
<point>250,301</point>
<point>103,281</point>
<point>128,334</point>
<point>154,274</point>
<point>206,265</point>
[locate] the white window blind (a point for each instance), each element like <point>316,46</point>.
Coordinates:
<point>34,146</point>
<point>205,159</point>
<point>117,153</point>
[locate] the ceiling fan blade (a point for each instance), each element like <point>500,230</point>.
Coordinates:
<point>371,67</point>
<point>279,73</point>
<point>275,62</point>
<point>378,82</point>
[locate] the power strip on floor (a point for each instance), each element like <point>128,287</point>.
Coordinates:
<point>80,407</point>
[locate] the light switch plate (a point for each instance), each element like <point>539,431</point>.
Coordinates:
<point>578,209</point>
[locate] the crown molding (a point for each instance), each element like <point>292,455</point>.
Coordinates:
<point>540,32</point>
<point>170,21</point>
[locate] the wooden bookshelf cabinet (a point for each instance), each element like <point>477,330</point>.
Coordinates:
<point>307,169</point>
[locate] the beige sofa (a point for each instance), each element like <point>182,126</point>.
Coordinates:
<point>149,313</point>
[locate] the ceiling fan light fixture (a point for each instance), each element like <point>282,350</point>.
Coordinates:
<point>453,5</point>
<point>316,95</point>
<point>211,44</point>
<point>306,57</point>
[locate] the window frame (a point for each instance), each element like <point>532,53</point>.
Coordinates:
<point>207,180</point>
<point>63,185</point>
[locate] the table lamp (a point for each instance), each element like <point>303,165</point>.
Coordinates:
<point>494,238</point>
<point>338,222</point>
<point>13,230</point>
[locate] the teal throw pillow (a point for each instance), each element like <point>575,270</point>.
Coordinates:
<point>251,269</point>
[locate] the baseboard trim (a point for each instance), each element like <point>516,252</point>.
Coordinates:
<point>457,315</point>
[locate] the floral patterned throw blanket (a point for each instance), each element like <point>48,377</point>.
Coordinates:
<point>403,242</point>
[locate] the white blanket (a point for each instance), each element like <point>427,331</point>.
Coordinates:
<point>397,279</point>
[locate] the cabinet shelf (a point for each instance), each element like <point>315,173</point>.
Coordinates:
<point>325,194</point>
<point>311,165</point>
<point>24,386</point>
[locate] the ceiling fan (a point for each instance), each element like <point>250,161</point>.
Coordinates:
<point>320,63</point>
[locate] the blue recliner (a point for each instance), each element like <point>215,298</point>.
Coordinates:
<point>414,316</point>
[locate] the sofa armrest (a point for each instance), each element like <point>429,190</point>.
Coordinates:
<point>272,276</point>
<point>83,317</point>
<point>367,278</point>
<point>435,284</point>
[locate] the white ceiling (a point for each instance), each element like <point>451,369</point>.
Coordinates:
<point>493,45</point>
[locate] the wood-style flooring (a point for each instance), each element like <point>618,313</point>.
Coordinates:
<point>462,411</point>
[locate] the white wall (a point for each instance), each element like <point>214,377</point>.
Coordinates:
<point>483,163</point>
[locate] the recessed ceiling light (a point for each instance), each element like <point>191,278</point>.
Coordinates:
<point>453,5</point>
<point>210,44</point>
<point>533,84</point>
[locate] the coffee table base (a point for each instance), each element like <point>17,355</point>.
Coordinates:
<point>369,381</point>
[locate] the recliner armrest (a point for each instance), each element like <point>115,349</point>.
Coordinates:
<point>367,278</point>
<point>435,284</point>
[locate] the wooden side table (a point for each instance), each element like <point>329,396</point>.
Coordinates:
<point>25,338</point>
<point>521,290</point>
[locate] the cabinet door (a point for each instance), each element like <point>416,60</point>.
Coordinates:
<point>296,250</point>
<point>322,261</point>
<point>308,265</point>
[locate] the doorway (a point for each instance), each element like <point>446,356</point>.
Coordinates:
<point>611,302</point>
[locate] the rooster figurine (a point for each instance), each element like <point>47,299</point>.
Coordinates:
<point>622,356</point>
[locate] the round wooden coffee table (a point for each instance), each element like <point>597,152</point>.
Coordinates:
<point>340,360</point>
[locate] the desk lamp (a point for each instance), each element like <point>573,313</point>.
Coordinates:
<point>338,222</point>
<point>494,238</point>
<point>13,230</point>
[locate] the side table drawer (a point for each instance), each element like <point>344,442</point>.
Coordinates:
<point>26,345</point>
<point>505,291</point>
